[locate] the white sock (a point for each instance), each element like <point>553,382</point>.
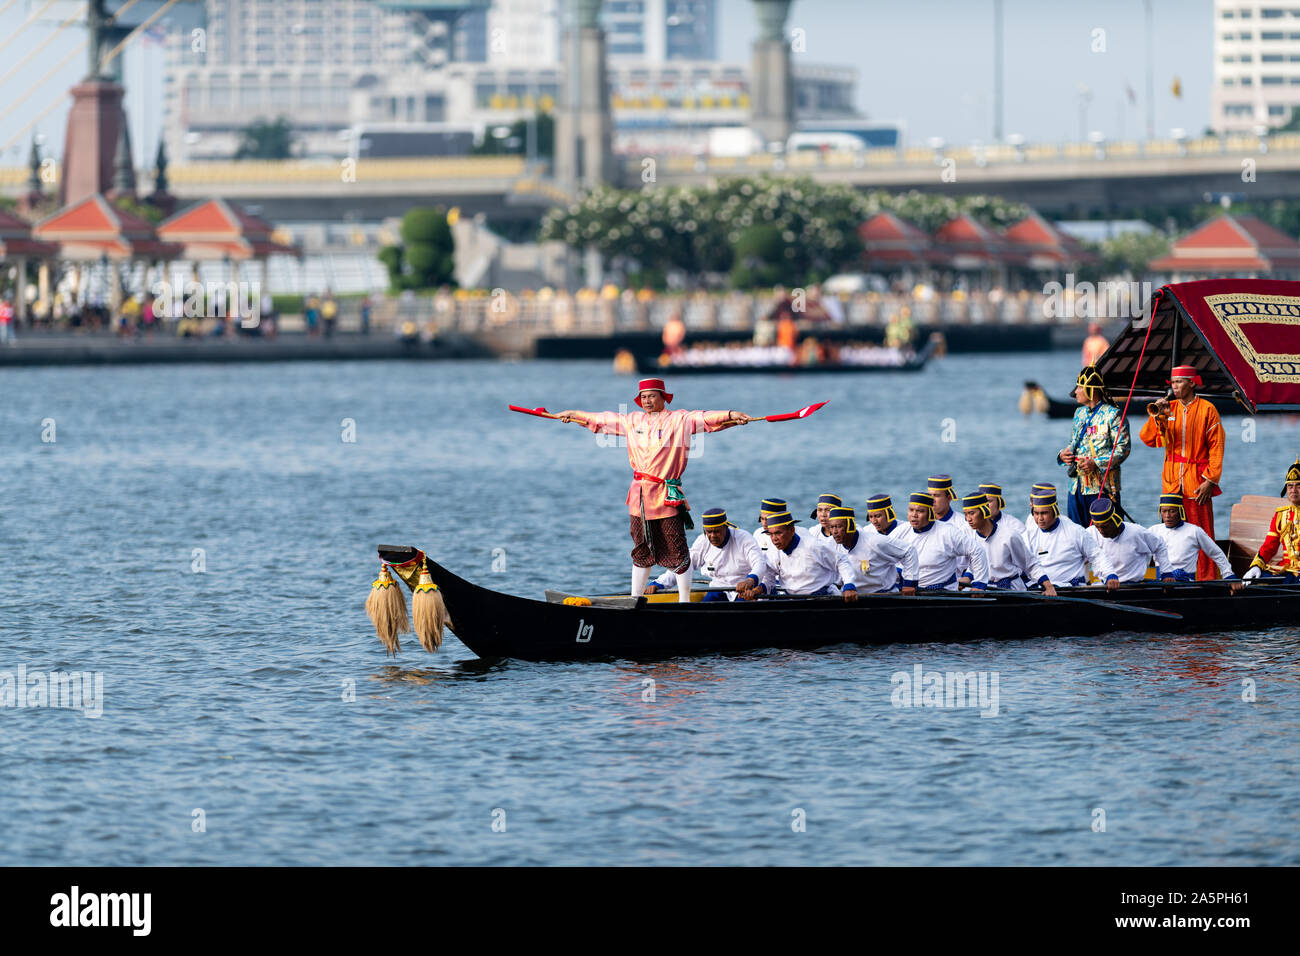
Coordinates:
<point>639,578</point>
<point>684,587</point>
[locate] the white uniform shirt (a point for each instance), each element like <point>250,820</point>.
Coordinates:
<point>726,566</point>
<point>1064,553</point>
<point>942,551</point>
<point>809,568</point>
<point>875,560</point>
<point>1184,545</point>
<point>1029,523</point>
<point>1010,522</point>
<point>765,545</point>
<point>1130,551</point>
<point>814,531</point>
<point>1008,557</point>
<point>902,531</point>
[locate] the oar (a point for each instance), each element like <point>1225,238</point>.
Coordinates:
<point>1109,605</point>
<point>790,416</point>
<point>901,598</point>
<point>703,588</point>
<point>539,412</point>
<point>787,416</point>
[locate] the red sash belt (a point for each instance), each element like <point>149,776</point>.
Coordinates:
<point>1179,459</point>
<point>636,475</point>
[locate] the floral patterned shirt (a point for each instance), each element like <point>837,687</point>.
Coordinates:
<point>1098,435</point>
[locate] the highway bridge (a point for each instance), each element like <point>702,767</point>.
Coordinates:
<point>1068,180</point>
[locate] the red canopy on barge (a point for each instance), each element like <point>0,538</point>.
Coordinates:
<point>1242,335</point>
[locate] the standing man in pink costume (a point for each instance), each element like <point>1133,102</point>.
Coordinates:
<point>658,445</point>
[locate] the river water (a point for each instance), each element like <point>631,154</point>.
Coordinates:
<point>203,537</point>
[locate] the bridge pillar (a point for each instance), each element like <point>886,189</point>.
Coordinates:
<point>771,87</point>
<point>584,154</point>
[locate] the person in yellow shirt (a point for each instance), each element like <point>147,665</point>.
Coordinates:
<point>329,313</point>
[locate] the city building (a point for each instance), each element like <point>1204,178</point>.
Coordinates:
<point>653,31</point>
<point>359,77</point>
<point>525,33</point>
<point>303,59</point>
<point>1256,64</point>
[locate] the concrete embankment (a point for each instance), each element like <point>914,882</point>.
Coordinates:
<point>102,349</point>
<point>107,350</point>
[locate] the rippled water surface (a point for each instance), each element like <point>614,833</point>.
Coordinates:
<point>226,669</point>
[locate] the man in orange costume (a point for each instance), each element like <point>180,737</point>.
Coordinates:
<point>1189,431</point>
<point>1094,346</point>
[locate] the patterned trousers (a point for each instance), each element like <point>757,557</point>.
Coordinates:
<point>665,545</point>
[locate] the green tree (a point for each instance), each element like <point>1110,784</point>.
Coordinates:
<point>761,256</point>
<point>146,211</point>
<point>1131,252</point>
<point>425,258</point>
<point>515,143</point>
<point>697,230</point>
<point>266,140</point>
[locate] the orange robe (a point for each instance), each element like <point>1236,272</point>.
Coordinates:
<point>1193,440</point>
<point>1094,346</point>
<point>1283,533</point>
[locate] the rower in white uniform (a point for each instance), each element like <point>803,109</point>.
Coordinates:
<point>800,565</point>
<point>942,549</point>
<point>939,487</point>
<point>874,559</point>
<point>727,554</point>
<point>1010,563</point>
<point>1043,488</point>
<point>821,532</point>
<point>1060,548</point>
<point>1128,548</point>
<point>769,507</point>
<point>997,509</point>
<point>1185,541</point>
<point>880,512</point>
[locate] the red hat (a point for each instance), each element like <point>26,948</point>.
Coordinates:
<point>652,383</point>
<point>1186,371</point>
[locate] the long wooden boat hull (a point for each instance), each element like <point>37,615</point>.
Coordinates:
<point>646,367</point>
<point>650,364</point>
<point>495,625</point>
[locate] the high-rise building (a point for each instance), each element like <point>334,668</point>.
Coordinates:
<point>659,30</point>
<point>1256,64</point>
<point>367,77</point>
<point>525,33</point>
<point>306,60</point>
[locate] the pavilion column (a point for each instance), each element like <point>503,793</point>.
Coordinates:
<point>115,289</point>
<point>234,297</point>
<point>43,289</point>
<point>20,293</point>
<point>261,284</point>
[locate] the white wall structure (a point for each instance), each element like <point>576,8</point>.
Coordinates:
<point>1256,64</point>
